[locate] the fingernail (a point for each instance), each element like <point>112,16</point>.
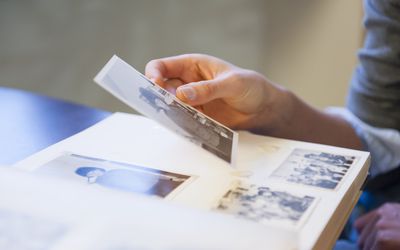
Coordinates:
<point>188,92</point>
<point>154,80</point>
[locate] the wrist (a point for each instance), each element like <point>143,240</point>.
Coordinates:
<point>277,111</point>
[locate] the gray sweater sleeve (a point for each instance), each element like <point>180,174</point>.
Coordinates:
<point>374,95</point>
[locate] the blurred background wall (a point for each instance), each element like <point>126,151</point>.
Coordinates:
<point>56,47</point>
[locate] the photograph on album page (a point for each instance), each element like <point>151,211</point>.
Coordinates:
<point>101,173</point>
<point>266,205</point>
<point>146,97</point>
<point>314,168</point>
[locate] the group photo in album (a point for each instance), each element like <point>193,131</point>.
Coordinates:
<point>265,205</point>
<point>113,175</point>
<point>314,168</point>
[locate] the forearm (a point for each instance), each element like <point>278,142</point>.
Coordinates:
<point>299,121</point>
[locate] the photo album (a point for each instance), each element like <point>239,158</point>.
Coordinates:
<point>220,188</point>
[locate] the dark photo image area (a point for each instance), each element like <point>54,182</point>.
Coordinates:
<point>192,123</point>
<point>263,204</point>
<point>314,168</point>
<point>114,175</point>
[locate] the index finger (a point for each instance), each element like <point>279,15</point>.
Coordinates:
<point>363,220</point>
<point>184,67</point>
<point>168,67</point>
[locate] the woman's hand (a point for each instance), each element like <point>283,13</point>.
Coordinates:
<point>380,228</point>
<point>245,99</point>
<point>238,98</point>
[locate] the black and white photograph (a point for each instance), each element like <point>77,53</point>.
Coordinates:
<point>265,205</point>
<point>151,100</point>
<point>314,168</point>
<point>101,173</point>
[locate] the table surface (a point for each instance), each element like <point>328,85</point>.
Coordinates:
<point>31,122</point>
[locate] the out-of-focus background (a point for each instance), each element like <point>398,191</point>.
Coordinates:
<point>56,47</point>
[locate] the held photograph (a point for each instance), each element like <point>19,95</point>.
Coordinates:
<point>265,205</point>
<point>146,97</point>
<point>314,168</point>
<point>101,173</point>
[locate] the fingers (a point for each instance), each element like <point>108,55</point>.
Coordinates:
<point>204,78</point>
<point>199,93</point>
<point>172,84</point>
<point>159,69</point>
<point>361,222</point>
<point>225,86</point>
<point>201,89</point>
<point>184,68</point>
<point>188,68</point>
<point>367,231</point>
<point>374,225</point>
<point>387,239</point>
<point>370,240</point>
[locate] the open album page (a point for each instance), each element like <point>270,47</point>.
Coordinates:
<point>290,185</point>
<point>48,213</point>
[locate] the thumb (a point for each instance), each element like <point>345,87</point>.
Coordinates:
<point>199,93</point>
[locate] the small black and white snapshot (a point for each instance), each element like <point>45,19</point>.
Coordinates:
<point>314,168</point>
<point>189,122</point>
<point>100,173</point>
<point>265,205</point>
<point>133,88</point>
